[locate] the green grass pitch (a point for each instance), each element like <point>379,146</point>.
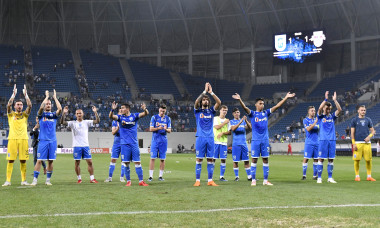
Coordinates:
<point>107,204</point>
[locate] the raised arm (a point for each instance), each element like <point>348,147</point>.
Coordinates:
<point>28,102</point>
<point>198,100</point>
<point>216,98</point>
<point>279,104</point>
<point>97,119</point>
<point>338,108</point>
<point>64,114</point>
<point>236,96</point>
<point>10,102</point>
<point>145,112</point>
<point>59,107</point>
<point>320,109</point>
<point>111,115</point>
<point>43,103</point>
<point>249,125</point>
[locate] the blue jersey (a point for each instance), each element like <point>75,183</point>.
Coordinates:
<point>128,128</point>
<point>238,136</point>
<point>205,122</point>
<point>362,126</point>
<point>48,123</point>
<point>312,135</point>
<point>327,127</point>
<point>157,121</point>
<point>116,139</point>
<point>259,121</point>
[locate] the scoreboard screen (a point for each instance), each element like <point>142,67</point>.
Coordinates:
<point>298,47</point>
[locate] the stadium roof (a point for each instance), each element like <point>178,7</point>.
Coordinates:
<point>174,25</point>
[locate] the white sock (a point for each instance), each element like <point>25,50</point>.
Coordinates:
<point>35,179</point>
<point>209,180</point>
<point>79,177</point>
<point>161,172</point>
<point>47,179</point>
<point>92,177</point>
<point>357,176</point>
<point>151,173</point>
<point>369,175</point>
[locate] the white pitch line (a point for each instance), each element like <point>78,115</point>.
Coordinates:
<point>185,211</point>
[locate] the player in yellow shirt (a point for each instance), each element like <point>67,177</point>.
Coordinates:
<point>361,133</point>
<point>220,138</point>
<point>18,135</point>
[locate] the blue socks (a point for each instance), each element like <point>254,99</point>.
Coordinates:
<point>330,168</point>
<point>222,169</point>
<point>111,169</point>
<point>122,171</point>
<point>48,174</point>
<point>36,173</point>
<point>139,172</point>
<point>198,170</point>
<point>236,171</point>
<point>210,170</point>
<point>127,172</point>
<point>304,169</point>
<point>320,169</point>
<point>315,169</point>
<point>266,170</point>
<point>253,171</point>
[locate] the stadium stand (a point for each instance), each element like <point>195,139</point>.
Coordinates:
<point>104,74</point>
<point>55,67</point>
<point>267,91</point>
<point>151,79</point>
<point>344,82</point>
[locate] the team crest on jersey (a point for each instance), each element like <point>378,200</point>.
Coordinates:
<point>130,118</point>
<point>51,114</point>
<point>263,114</point>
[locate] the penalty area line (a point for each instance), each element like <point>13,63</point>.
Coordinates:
<point>186,211</point>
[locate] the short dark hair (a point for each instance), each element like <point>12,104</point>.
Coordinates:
<point>360,106</point>
<point>328,104</point>
<point>126,105</point>
<point>235,110</point>
<point>163,106</point>
<point>310,107</point>
<point>259,99</point>
<point>19,100</point>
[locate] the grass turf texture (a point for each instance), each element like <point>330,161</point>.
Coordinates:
<point>177,193</point>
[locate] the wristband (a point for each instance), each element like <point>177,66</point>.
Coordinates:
<point>212,93</point>
<point>353,141</point>
<point>370,135</point>
<point>326,100</point>
<point>204,92</point>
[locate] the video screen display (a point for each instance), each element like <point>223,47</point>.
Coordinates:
<point>299,47</point>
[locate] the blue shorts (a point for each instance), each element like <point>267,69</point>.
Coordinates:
<point>158,150</point>
<point>130,153</point>
<point>240,153</point>
<point>82,153</point>
<point>311,151</point>
<point>220,151</point>
<point>116,150</point>
<point>326,149</point>
<point>260,148</point>
<point>47,150</point>
<point>204,147</point>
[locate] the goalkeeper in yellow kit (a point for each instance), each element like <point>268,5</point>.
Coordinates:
<point>18,135</point>
<point>361,133</point>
